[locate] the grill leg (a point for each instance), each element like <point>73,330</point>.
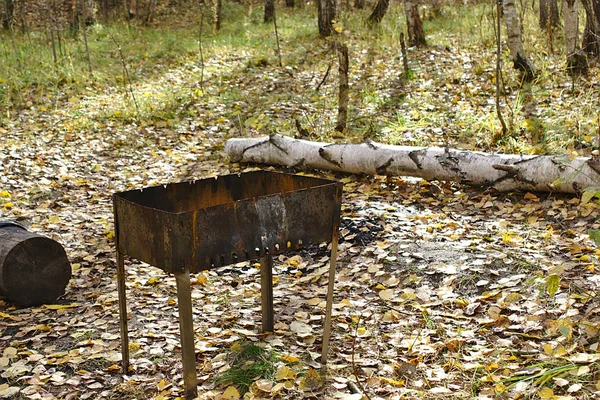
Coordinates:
<point>327,324</point>
<point>123,311</point>
<point>266,292</point>
<point>186,327</point>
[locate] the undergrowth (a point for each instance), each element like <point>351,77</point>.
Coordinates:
<point>447,99</point>
<point>248,363</point>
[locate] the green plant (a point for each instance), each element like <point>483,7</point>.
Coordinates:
<point>249,362</point>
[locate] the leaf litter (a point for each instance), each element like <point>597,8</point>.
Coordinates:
<point>442,291</point>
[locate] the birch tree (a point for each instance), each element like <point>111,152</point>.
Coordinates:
<point>517,55</point>
<point>269,11</point>
<point>378,12</point>
<point>414,25</point>
<point>576,60</point>
<point>500,171</point>
<point>548,14</point>
<point>591,33</point>
<point>9,14</point>
<point>326,16</point>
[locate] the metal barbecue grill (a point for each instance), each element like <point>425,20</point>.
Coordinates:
<point>189,227</point>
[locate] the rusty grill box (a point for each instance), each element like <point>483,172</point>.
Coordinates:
<point>194,226</point>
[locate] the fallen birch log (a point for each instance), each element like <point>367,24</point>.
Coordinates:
<point>503,172</point>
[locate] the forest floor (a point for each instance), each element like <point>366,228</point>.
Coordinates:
<point>442,290</point>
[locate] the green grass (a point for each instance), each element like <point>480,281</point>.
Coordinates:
<point>258,97</point>
<point>249,363</point>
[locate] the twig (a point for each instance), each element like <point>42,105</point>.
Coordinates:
<point>85,39</point>
<point>200,50</point>
<point>354,369</point>
<point>125,69</point>
<point>325,76</point>
<point>277,37</point>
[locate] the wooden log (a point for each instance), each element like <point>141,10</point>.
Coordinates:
<point>503,172</point>
<point>33,269</point>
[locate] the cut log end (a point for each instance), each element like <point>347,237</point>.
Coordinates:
<point>33,269</point>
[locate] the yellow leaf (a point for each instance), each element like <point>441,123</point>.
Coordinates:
<point>54,219</point>
<point>313,302</point>
<point>8,206</point>
<point>133,346</point>
<point>153,280</point>
<point>379,286</point>
<point>289,359</point>
<point>552,284</point>
<point>362,331</point>
<point>4,194</point>
<point>43,328</point>
<point>231,393</point>
<point>59,306</point>
<point>284,372</point>
<point>546,393</point>
<point>394,382</point>
<point>161,385</point>
<point>530,196</point>
<point>386,294</point>
<point>512,298</point>
<point>201,279</point>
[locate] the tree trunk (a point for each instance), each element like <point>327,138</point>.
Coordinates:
<point>269,11</point>
<point>9,14</point>
<point>517,54</point>
<point>33,269</point>
<point>500,171</point>
<point>414,25</point>
<point>576,59</point>
<point>343,90</point>
<point>359,4</point>
<point>326,11</point>
<point>548,14</point>
<point>378,12</point>
<point>217,9</point>
<point>591,33</point>
<point>290,3</point>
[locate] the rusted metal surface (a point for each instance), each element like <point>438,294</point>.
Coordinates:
<point>195,226</point>
<point>210,223</point>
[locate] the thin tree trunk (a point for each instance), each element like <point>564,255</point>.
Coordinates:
<point>85,38</point>
<point>378,12</point>
<point>498,67</point>
<point>499,171</point>
<point>359,4</point>
<point>343,89</point>
<point>269,11</point>
<point>290,3</point>
<point>576,59</point>
<point>9,14</point>
<point>416,36</point>
<point>404,56</point>
<point>517,54</point>
<point>217,9</point>
<point>591,33</point>
<point>326,11</point>
<point>548,14</point>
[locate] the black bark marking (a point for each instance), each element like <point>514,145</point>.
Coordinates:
<point>594,163</point>
<point>513,173</point>
<point>416,156</point>
<point>255,145</point>
<point>382,169</point>
<point>450,162</point>
<point>327,157</point>
<point>372,145</point>
<point>273,140</point>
